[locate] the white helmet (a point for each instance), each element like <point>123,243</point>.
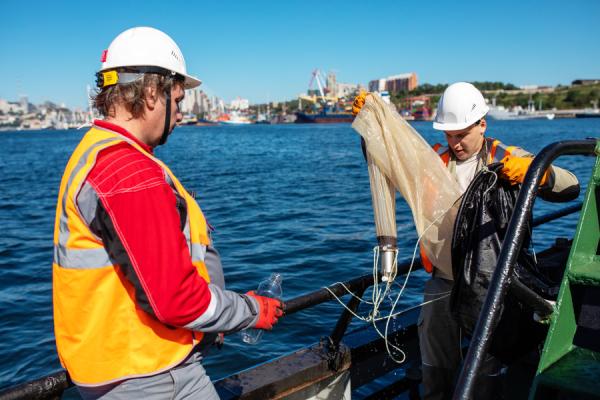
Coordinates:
<point>460,106</point>
<point>145,49</point>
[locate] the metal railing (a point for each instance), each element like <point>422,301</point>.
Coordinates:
<point>500,282</point>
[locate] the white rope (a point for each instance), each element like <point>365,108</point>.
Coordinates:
<point>404,311</point>
<point>485,169</point>
<point>378,295</point>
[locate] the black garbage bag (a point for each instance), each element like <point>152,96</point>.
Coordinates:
<point>479,231</point>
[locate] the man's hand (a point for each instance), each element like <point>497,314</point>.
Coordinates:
<point>269,311</point>
<point>359,102</point>
<point>515,168</point>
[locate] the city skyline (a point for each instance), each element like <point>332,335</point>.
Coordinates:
<point>266,51</point>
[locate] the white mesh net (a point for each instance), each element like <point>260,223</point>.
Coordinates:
<point>416,171</point>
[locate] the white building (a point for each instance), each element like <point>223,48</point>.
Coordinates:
<point>239,104</point>
<point>346,89</point>
<point>192,97</point>
<point>4,107</point>
<point>13,107</point>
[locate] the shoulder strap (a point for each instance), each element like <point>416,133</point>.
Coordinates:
<point>496,150</point>
<point>443,152</point>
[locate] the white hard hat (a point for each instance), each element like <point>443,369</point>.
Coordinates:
<point>460,106</point>
<point>146,48</point>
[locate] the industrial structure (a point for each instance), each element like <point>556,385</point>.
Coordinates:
<point>330,101</point>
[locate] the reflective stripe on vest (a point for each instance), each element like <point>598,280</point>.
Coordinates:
<point>496,150</point>
<point>443,152</point>
<point>102,336</point>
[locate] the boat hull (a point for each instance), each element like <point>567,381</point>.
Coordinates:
<point>328,118</point>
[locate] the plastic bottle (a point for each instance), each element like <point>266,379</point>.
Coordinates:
<point>269,288</point>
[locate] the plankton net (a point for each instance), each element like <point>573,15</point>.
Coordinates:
<point>400,159</point>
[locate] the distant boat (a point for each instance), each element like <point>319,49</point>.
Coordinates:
<point>518,113</point>
<point>235,122</point>
<point>324,118</point>
<point>206,122</point>
<point>593,113</point>
<point>234,118</point>
<point>189,119</point>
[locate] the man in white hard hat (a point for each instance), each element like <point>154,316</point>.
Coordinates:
<point>461,116</point>
<point>138,287</point>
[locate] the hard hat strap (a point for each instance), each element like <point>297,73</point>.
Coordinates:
<point>163,138</point>
<point>129,74</point>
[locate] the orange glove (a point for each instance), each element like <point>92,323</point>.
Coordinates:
<point>359,102</point>
<point>515,168</point>
<point>269,311</point>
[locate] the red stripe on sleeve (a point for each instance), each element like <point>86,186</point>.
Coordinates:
<point>142,208</point>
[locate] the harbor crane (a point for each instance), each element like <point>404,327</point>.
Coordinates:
<point>322,99</point>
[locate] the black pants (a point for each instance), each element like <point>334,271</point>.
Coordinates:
<point>439,341</point>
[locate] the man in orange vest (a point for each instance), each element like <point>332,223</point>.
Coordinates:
<point>461,116</point>
<point>138,287</point>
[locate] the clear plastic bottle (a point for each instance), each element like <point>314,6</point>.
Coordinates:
<point>269,288</point>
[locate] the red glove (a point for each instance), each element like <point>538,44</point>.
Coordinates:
<point>269,311</point>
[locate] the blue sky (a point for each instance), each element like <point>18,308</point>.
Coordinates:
<point>266,50</point>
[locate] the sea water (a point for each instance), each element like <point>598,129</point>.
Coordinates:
<point>292,199</point>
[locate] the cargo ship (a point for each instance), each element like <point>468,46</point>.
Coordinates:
<point>324,117</point>
<point>326,108</point>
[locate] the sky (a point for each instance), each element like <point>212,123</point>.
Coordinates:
<point>267,50</point>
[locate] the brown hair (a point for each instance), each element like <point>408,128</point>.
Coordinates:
<point>130,95</point>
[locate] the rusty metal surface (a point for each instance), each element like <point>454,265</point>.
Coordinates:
<point>362,353</point>
<point>283,376</point>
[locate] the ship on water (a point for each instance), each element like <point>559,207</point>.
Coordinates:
<point>324,117</point>
<point>326,108</point>
<point>518,113</point>
<point>233,118</point>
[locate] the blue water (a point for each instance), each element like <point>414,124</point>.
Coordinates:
<point>293,199</point>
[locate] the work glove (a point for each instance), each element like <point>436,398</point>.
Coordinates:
<point>269,311</point>
<point>359,102</point>
<point>515,168</point>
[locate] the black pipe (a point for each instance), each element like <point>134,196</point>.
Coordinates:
<point>517,226</point>
<point>345,319</point>
<point>527,296</point>
<point>51,386</point>
<point>323,295</point>
<point>557,214</point>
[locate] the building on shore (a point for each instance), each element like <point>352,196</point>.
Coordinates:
<point>394,84</point>
<point>581,82</point>
<point>239,104</point>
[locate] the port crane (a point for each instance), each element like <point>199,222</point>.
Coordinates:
<point>323,99</point>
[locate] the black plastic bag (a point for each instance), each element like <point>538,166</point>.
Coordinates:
<point>479,231</point>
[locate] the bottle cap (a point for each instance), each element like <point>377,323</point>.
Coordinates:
<point>276,277</point>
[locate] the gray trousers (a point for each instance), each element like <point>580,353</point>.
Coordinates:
<point>186,381</point>
<point>440,345</point>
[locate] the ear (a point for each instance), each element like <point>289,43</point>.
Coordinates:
<point>151,97</point>
<point>483,125</point>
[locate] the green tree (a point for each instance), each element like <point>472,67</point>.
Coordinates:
<point>550,101</point>
<point>571,97</point>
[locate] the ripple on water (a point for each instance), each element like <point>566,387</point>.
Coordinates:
<point>292,199</point>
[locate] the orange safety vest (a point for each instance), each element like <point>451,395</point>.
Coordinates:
<point>496,151</point>
<point>102,336</point>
